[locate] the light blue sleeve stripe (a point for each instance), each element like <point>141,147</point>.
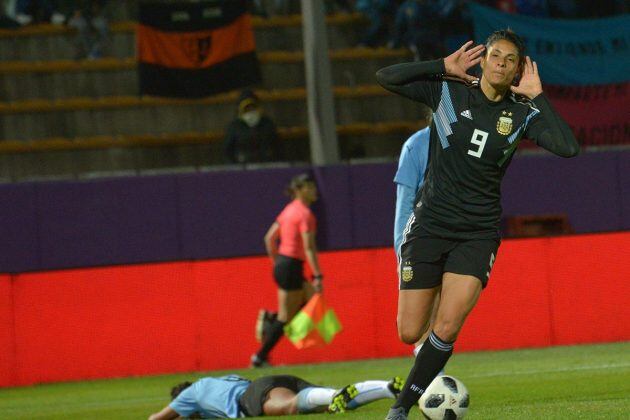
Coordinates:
<point>522,127</point>
<point>444,116</point>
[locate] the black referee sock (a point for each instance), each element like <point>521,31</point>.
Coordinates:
<point>430,361</point>
<point>273,335</point>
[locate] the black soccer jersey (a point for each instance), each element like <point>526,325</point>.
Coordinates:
<point>472,143</point>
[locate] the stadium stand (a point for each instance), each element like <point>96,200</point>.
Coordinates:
<point>50,102</point>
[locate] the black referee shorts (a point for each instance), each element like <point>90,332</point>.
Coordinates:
<point>424,258</point>
<point>289,273</point>
<point>252,401</point>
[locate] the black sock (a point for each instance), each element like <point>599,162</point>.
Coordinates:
<point>430,361</point>
<point>276,330</point>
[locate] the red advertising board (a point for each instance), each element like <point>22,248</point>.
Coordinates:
<point>191,316</point>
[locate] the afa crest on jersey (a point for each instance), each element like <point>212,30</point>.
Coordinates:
<point>504,125</point>
<point>407,273</point>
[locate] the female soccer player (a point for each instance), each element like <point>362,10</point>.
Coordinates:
<point>295,229</point>
<point>451,242</point>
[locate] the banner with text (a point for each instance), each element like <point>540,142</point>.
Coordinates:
<point>195,48</point>
<point>598,115</point>
<point>568,52</point>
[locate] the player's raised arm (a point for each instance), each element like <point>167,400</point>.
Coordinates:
<point>420,81</point>
<point>548,129</point>
<point>406,79</point>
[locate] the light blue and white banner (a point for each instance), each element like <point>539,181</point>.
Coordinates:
<point>568,52</point>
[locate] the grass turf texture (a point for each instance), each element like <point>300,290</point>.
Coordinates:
<point>578,382</point>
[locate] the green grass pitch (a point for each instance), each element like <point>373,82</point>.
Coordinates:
<point>577,382</point>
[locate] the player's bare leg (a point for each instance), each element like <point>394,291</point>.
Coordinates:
<point>289,303</point>
<point>414,313</point>
<point>418,344</point>
<point>459,295</point>
<point>280,402</point>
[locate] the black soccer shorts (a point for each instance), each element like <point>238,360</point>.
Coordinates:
<point>257,393</point>
<point>426,257</point>
<point>289,273</point>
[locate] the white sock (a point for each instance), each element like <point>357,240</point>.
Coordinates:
<point>417,350</point>
<point>370,391</point>
<point>314,399</point>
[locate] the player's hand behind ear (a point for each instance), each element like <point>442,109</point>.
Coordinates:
<point>458,63</point>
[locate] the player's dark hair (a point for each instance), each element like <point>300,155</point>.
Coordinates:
<point>298,182</point>
<point>510,36</point>
<point>177,389</point>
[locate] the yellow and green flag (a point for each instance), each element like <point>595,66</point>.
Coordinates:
<point>315,324</point>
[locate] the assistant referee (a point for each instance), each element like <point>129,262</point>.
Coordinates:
<point>289,242</point>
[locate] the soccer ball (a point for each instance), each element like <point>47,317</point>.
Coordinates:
<point>446,398</point>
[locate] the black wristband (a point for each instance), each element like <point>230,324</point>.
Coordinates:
<point>317,277</point>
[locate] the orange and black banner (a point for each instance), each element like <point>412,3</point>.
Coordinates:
<point>196,48</point>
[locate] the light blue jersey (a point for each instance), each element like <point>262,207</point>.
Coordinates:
<point>409,178</point>
<point>212,398</point>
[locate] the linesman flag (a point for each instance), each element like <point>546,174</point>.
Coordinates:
<point>315,324</point>
<point>195,48</point>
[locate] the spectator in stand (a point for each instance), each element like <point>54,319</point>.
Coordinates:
<point>90,21</point>
<point>252,136</point>
<point>417,27</point>
<point>378,12</point>
<point>31,11</point>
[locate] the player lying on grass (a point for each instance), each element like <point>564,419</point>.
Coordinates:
<point>233,396</point>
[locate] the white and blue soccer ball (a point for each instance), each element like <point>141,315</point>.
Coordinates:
<point>446,398</point>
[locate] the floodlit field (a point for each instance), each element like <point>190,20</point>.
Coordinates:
<point>579,382</point>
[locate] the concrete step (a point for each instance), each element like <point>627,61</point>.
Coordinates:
<point>49,42</point>
<point>59,79</point>
<point>132,115</point>
<point>100,156</point>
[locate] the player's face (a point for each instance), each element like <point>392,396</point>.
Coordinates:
<point>309,192</point>
<point>501,63</point>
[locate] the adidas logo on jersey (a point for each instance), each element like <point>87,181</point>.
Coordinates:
<point>466,114</point>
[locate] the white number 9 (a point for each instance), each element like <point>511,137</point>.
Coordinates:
<point>479,138</point>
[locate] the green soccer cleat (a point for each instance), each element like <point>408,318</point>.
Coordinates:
<point>395,385</point>
<point>341,398</point>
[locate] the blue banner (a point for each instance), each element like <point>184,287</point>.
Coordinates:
<point>568,52</point>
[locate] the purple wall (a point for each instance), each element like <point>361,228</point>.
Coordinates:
<point>218,214</point>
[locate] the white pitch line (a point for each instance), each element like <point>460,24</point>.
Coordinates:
<point>558,370</point>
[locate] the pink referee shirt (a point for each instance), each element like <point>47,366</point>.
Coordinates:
<point>295,219</point>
